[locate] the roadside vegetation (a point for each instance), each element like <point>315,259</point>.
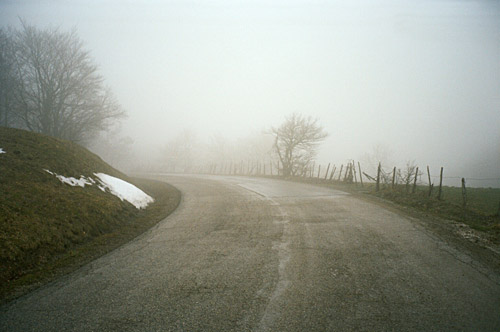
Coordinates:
<point>48,227</point>
<point>481,212</point>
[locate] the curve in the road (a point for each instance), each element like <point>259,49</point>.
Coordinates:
<point>247,254</point>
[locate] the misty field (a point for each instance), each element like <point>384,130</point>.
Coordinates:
<point>483,200</point>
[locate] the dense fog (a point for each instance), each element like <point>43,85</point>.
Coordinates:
<point>206,81</point>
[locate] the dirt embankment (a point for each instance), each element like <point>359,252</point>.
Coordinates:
<point>48,227</point>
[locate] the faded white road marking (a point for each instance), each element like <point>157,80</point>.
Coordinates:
<point>283,248</point>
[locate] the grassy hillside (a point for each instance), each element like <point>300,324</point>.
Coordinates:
<point>43,219</point>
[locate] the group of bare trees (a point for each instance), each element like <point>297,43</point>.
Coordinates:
<point>50,84</point>
<point>289,149</point>
<point>8,83</point>
<point>189,153</point>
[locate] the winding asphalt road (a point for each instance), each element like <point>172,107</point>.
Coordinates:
<point>245,254</point>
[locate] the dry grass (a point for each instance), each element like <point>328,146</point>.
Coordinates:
<point>47,227</point>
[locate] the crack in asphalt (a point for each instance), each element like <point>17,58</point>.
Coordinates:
<point>272,309</point>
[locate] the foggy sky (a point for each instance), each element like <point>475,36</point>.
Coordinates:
<point>421,78</point>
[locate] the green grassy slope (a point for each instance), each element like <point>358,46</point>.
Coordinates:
<point>42,218</point>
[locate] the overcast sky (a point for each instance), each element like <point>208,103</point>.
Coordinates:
<point>421,78</point>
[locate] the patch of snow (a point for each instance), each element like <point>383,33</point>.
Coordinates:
<point>2,151</point>
<point>121,189</point>
<point>81,182</point>
<point>124,190</point>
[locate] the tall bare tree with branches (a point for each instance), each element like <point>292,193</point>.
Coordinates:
<point>296,142</point>
<point>59,92</point>
<point>8,81</point>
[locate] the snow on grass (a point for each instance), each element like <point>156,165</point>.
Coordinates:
<point>2,151</point>
<point>124,190</point>
<point>121,189</point>
<point>81,182</point>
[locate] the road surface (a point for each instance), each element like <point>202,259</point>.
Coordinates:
<point>246,254</point>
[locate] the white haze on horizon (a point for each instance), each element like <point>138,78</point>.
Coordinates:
<point>420,79</point>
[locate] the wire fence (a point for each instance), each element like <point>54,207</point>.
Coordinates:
<point>480,193</point>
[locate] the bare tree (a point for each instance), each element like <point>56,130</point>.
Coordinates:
<point>8,81</point>
<point>114,148</point>
<point>60,92</point>
<point>296,142</point>
<point>179,154</point>
<point>380,153</point>
<point>408,174</point>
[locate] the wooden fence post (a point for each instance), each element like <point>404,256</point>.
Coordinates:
<point>327,169</point>
<point>340,173</point>
<point>354,172</point>
<point>346,171</point>
<point>333,172</point>
<point>377,188</point>
<point>440,183</point>
<point>464,197</point>
<point>350,176</point>
<point>360,174</point>
<point>415,182</point>
<point>429,176</point>
<point>319,170</point>
<point>393,177</point>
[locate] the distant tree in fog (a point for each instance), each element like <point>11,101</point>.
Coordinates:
<point>57,89</point>
<point>114,148</point>
<point>380,153</point>
<point>407,175</point>
<point>296,143</point>
<point>8,81</point>
<point>179,154</point>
